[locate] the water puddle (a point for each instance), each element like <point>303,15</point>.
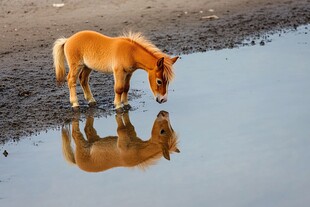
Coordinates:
<point>242,121</point>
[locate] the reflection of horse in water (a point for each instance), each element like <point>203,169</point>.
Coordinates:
<point>98,154</point>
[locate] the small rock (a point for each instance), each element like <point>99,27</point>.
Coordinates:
<point>211,17</point>
<point>58,5</point>
<point>5,153</point>
<point>262,43</point>
<point>24,93</point>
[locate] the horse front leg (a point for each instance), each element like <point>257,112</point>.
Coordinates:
<point>124,98</point>
<point>119,85</point>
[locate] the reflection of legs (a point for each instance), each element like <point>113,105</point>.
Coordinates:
<point>130,128</point>
<point>125,93</point>
<point>90,131</point>
<point>119,121</point>
<point>84,80</point>
<point>122,132</point>
<point>82,147</point>
<point>78,137</point>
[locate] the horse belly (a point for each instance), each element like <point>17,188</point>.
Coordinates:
<point>99,65</point>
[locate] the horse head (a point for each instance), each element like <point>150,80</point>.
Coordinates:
<point>164,135</point>
<point>160,77</point>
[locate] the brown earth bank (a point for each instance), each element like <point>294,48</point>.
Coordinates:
<point>31,102</point>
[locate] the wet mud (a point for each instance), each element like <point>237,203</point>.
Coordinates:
<point>30,100</point>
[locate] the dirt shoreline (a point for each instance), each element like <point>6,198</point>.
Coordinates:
<point>30,101</point>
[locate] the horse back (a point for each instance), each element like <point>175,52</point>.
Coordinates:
<point>97,51</point>
<point>107,150</point>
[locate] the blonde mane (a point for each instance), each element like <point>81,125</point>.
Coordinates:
<point>173,142</point>
<point>142,41</point>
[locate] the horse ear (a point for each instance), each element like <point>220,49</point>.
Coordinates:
<point>160,63</point>
<point>166,151</point>
<point>174,59</point>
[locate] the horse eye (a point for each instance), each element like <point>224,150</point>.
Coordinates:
<point>159,82</point>
<point>162,131</point>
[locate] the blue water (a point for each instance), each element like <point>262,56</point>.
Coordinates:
<point>242,116</point>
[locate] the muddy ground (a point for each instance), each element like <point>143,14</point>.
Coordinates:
<point>31,102</point>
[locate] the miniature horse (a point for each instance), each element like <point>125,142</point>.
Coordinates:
<point>96,154</point>
<point>88,50</point>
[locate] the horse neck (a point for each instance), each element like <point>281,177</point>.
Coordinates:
<point>144,59</point>
<point>150,149</point>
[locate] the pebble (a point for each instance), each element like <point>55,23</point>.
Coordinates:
<point>262,43</point>
<point>5,153</point>
<point>210,17</point>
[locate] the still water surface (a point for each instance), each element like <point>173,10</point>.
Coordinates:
<point>242,117</point>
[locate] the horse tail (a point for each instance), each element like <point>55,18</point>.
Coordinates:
<point>59,60</point>
<point>67,150</point>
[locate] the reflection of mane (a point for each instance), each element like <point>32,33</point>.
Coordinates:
<point>173,142</point>
<point>139,39</point>
<point>96,154</point>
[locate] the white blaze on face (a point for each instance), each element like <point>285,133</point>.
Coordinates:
<point>162,98</point>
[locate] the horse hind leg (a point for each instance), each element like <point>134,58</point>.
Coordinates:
<point>72,77</point>
<point>84,80</point>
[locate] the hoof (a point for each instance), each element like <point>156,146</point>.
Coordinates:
<point>76,109</point>
<point>92,104</point>
<point>119,110</point>
<point>127,107</point>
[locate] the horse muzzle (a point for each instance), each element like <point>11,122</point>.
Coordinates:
<point>163,114</point>
<point>161,99</point>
